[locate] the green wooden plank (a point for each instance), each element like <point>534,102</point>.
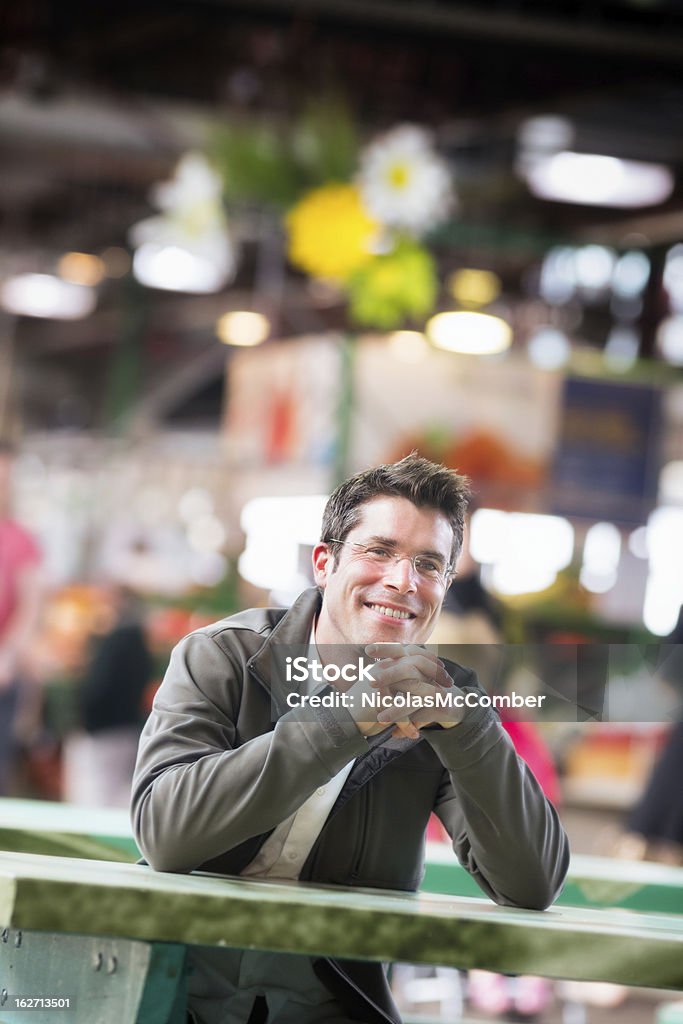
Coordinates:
<point>86,897</point>
<point>57,829</point>
<point>591,882</point>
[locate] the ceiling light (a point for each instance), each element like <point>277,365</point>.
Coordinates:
<point>244,328</point>
<point>602,549</point>
<point>408,346</point>
<point>631,274</point>
<point>470,333</point>
<point>597,582</point>
<point>673,277</point>
<point>558,275</point>
<point>474,287</point>
<point>670,339</point>
<point>621,350</point>
<point>671,483</point>
<point>548,348</point>
<point>594,267</point>
<point>177,270</point>
<point>81,268</point>
<point>595,180</point>
<point>44,295</point>
<point>637,542</point>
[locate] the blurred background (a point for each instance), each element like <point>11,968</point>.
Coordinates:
<point>249,248</point>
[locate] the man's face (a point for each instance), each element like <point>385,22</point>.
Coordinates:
<point>360,597</point>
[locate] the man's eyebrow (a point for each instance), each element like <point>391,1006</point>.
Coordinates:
<point>389,542</point>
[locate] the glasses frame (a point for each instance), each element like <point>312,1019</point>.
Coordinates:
<point>445,578</point>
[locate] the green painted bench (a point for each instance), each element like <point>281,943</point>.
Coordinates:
<point>113,934</point>
<point>61,830</point>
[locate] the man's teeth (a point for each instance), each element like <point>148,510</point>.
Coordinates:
<point>392,613</point>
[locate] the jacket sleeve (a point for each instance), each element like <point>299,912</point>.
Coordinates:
<point>504,830</point>
<point>198,792</point>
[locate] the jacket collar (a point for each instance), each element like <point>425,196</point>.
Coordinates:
<point>293,628</point>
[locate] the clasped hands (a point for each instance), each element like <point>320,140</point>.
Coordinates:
<point>405,669</point>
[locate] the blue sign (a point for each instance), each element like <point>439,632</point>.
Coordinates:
<point>607,458</point>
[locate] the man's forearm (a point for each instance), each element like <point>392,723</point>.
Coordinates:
<point>504,830</point>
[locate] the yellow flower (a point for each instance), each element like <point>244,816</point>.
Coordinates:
<point>331,232</point>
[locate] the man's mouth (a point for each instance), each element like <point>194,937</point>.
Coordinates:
<point>390,613</point>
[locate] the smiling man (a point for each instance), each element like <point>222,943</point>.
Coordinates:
<point>233,778</point>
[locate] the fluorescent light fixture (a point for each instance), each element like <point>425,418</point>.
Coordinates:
<point>663,599</point>
<point>631,274</point>
<point>526,551</point>
<point>670,339</point>
<point>621,349</point>
<point>275,528</point>
<point>671,483</point>
<point>597,582</point>
<point>46,296</point>
<point>548,348</point>
<point>673,277</point>
<point>637,542</point>
<point>558,275</point>
<point>243,327</point>
<point>595,180</point>
<point>664,590</point>
<point>594,267</point>
<point>602,549</point>
<point>470,333</point>
<point>173,269</point>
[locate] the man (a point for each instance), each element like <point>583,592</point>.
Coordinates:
<point>20,602</point>
<point>232,778</point>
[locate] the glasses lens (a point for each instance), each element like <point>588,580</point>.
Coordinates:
<point>430,568</point>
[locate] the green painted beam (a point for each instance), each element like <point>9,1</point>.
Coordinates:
<point>61,895</point>
<point>592,882</point>
<point>54,829</point>
<point>62,830</point>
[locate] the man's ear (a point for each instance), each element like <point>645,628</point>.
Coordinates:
<point>323,562</point>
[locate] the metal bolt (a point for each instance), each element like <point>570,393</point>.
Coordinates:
<point>3,997</point>
<point>5,934</point>
<point>17,940</point>
<point>97,961</point>
<point>112,965</point>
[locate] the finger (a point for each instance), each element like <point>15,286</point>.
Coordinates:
<point>406,730</point>
<point>408,669</point>
<point>396,650</point>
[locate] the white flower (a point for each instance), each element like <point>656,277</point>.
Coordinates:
<point>191,232</point>
<point>404,183</point>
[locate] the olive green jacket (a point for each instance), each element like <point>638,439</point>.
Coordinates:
<point>223,761</point>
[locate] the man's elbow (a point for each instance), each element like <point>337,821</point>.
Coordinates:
<point>163,852</point>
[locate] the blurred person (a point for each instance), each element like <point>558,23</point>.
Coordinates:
<point>21,593</point>
<point>470,615</point>
<point>233,778</point>
<point>655,824</point>
<point>99,759</point>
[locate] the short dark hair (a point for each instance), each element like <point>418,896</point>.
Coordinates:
<point>427,484</point>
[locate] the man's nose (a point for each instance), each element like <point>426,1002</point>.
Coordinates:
<point>401,576</point>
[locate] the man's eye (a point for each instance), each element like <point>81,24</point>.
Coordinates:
<point>379,552</point>
<point>427,565</point>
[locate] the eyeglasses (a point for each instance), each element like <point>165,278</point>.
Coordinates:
<point>428,568</point>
